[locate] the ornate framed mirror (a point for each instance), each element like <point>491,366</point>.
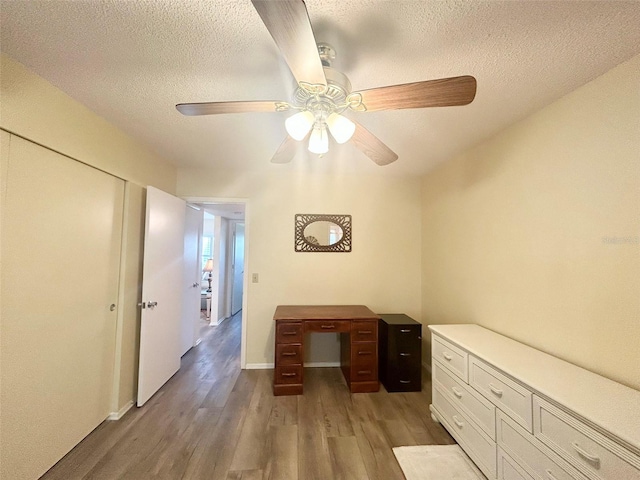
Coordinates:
<point>322,233</point>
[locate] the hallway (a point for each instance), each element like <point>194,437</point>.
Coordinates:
<point>214,421</point>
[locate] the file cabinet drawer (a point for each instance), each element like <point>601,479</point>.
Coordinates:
<point>503,392</point>
<point>452,357</point>
<point>589,451</point>
<point>478,407</point>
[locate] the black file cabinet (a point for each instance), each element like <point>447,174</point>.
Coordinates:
<point>400,353</point>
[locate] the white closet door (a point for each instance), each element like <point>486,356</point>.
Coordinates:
<point>192,280</point>
<point>61,236</point>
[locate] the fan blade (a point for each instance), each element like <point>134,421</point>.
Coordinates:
<point>289,26</point>
<point>286,151</point>
<point>444,92</point>
<point>372,146</point>
<point>213,108</point>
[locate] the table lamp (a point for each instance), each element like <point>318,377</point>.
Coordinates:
<point>209,268</point>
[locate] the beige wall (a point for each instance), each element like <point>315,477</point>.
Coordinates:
<point>535,233</point>
<point>32,108</point>
<point>382,272</point>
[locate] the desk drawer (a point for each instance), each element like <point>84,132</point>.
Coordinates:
<point>289,332</point>
<point>364,355</point>
<point>453,358</point>
<point>288,375</point>
<point>364,330</point>
<point>479,408</point>
<point>288,354</point>
<point>503,392</point>
<point>530,453</point>
<point>327,326</point>
<point>365,372</point>
<point>597,456</point>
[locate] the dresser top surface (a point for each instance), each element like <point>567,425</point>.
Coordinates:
<point>397,319</point>
<point>607,404</point>
<point>323,312</point>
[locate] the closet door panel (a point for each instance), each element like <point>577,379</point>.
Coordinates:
<point>61,240</point>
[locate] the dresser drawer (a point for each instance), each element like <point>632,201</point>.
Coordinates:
<point>327,326</point>
<point>288,354</point>
<point>589,451</point>
<point>289,332</point>
<point>502,391</point>
<point>364,330</point>
<point>529,452</point>
<point>475,443</point>
<point>508,469</point>
<point>475,405</point>
<point>288,375</point>
<point>452,357</point>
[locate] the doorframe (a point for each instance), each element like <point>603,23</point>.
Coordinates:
<point>245,276</point>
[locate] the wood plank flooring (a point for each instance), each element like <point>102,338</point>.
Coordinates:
<point>213,421</point>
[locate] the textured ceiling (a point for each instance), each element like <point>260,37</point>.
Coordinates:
<point>132,61</point>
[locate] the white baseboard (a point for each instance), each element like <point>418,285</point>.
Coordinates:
<point>262,366</point>
<point>118,415</point>
<point>215,323</point>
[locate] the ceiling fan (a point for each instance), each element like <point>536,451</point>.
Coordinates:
<point>324,93</point>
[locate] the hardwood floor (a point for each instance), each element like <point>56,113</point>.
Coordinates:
<point>213,421</point>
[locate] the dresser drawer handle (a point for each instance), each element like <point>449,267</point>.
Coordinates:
<point>447,357</point>
<point>586,455</point>
<point>364,332</point>
<point>365,353</point>
<point>405,381</point>
<point>289,333</point>
<point>495,390</point>
<point>289,354</point>
<point>456,392</point>
<point>405,354</point>
<point>458,423</point>
<point>327,327</point>
<point>288,374</point>
<point>405,330</point>
<point>550,475</point>
<point>364,372</point>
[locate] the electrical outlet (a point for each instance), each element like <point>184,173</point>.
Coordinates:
<point>254,277</point>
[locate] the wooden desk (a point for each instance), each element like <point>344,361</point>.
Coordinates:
<point>358,328</point>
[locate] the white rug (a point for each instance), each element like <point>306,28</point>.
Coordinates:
<point>436,462</point>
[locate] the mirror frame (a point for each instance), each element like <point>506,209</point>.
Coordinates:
<point>303,219</point>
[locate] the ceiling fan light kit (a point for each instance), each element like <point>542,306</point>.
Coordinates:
<point>324,93</point>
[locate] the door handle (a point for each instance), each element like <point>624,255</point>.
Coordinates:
<point>195,285</point>
<point>151,304</point>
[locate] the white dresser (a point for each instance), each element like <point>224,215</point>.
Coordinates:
<point>521,414</point>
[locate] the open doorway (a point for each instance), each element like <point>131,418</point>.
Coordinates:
<point>222,258</point>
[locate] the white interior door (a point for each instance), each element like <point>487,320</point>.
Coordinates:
<point>162,292</point>
<point>192,278</point>
<point>61,238</point>
<point>238,267</point>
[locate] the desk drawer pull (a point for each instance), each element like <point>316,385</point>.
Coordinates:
<point>289,354</point>
<point>364,332</point>
<point>365,353</point>
<point>327,327</point>
<point>289,333</point>
<point>586,455</point>
<point>364,372</point>
<point>447,357</point>
<point>405,381</point>
<point>456,392</point>
<point>495,390</point>
<point>405,330</point>
<point>405,354</point>
<point>288,374</point>
<point>550,475</point>
<point>458,423</point>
